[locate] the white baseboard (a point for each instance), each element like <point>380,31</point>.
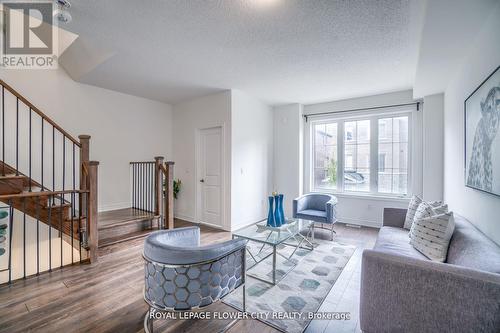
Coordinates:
<point>192,220</point>
<point>186,218</point>
<point>364,223</point>
<point>242,225</point>
<point>114,206</point>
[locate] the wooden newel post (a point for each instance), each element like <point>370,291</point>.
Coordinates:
<point>158,184</point>
<point>169,195</point>
<point>84,158</point>
<point>93,238</point>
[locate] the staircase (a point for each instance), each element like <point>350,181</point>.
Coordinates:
<point>125,224</point>
<point>152,204</point>
<point>48,188</point>
<point>24,194</point>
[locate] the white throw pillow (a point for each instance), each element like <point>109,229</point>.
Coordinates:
<point>431,235</point>
<point>410,213</point>
<point>436,203</point>
<point>425,209</point>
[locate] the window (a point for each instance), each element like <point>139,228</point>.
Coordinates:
<point>393,146</point>
<point>357,155</point>
<point>361,155</point>
<point>325,157</point>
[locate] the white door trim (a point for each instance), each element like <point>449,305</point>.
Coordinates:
<point>198,213</point>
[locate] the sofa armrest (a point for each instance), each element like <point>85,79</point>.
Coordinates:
<point>404,294</point>
<point>394,217</point>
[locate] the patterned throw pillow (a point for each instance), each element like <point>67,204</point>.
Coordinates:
<point>426,210</point>
<point>436,203</point>
<point>410,213</point>
<point>431,235</point>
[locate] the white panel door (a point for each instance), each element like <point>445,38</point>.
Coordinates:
<point>210,176</point>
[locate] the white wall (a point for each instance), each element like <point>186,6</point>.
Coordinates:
<point>480,208</point>
<point>288,149</point>
<point>433,146</point>
<point>124,128</point>
<point>69,254</point>
<point>252,159</point>
<point>365,210</point>
<point>189,117</point>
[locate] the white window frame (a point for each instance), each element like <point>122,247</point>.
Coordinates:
<point>340,119</point>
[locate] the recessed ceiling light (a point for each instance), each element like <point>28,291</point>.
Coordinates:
<point>264,3</point>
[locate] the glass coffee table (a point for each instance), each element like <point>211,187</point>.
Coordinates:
<point>273,237</point>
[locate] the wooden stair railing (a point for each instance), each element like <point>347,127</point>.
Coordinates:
<point>43,170</point>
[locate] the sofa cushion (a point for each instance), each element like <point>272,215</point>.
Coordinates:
<point>471,248</point>
<point>395,240</point>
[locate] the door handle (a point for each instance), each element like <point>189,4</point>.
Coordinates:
<point>202,180</point>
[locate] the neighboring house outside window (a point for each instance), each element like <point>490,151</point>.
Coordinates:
<point>361,154</point>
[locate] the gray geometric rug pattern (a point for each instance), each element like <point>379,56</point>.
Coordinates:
<point>302,290</point>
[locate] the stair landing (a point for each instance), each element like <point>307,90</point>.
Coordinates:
<point>125,224</point>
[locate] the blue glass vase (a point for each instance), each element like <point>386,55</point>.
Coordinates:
<point>282,212</point>
<point>277,216</point>
<point>270,214</point>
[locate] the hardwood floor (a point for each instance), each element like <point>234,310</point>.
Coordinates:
<point>107,296</point>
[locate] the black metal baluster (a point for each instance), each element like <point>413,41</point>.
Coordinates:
<point>147,187</point>
<point>17,136</point>
<point>86,218</point>
<point>142,186</point>
<point>42,159</point>
<point>73,204</point>
<point>74,175</point>
<point>3,131</point>
<point>134,194</point>
<point>135,185</point>
<point>38,238</point>
<point>24,237</point>
<point>152,185</point>
<point>64,165</point>
<point>53,162</point>
<point>152,182</point>
<point>80,194</point>
<point>29,162</point>
<point>63,195</point>
<point>11,224</point>
<point>71,226</point>
<point>50,232</point>
<point>61,226</point>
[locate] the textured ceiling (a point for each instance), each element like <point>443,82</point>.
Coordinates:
<point>280,51</point>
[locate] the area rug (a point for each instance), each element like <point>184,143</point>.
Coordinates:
<point>301,291</point>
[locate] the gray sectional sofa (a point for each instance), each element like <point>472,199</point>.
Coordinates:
<point>403,291</point>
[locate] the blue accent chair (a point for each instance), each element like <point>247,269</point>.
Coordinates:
<point>320,208</point>
<point>181,275</point>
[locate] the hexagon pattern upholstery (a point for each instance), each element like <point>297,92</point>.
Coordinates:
<point>186,286</point>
